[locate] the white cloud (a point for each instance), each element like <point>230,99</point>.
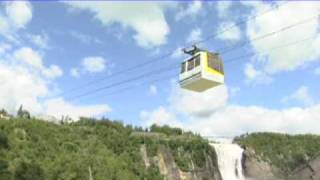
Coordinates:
<point>289,58</point>
<point>147,19</point>
<point>59,107</point>
<point>53,72</point>
<point>251,72</point>
<point>195,35</point>
<point>230,120</point>
<point>26,80</point>
<point>223,8</point>
<point>19,13</point>
<point>256,76</point>
<point>16,16</point>
<point>235,120</point>
<point>40,40</point>
<point>33,59</point>
<point>19,86</point>
<point>29,56</point>
<point>199,104</point>
<point>160,116</point>
<point>94,64</point>
<point>300,95</point>
<point>153,89</point>
<point>192,10</point>
<point>229,33</point>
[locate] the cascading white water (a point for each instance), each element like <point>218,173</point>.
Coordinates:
<point>229,161</point>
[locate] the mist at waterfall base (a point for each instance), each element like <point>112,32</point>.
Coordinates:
<point>229,160</point>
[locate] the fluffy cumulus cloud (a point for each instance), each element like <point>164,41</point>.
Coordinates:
<point>19,13</point>
<point>29,56</point>
<point>211,115</point>
<point>19,85</point>
<point>288,58</point>
<point>160,116</point>
<point>58,108</point>
<point>26,80</point>
<point>33,59</point>
<point>53,72</point>
<point>191,10</point>
<point>147,19</point>
<point>199,104</point>
<point>92,64</point>
<point>16,16</point>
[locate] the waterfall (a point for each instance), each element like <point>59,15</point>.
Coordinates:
<point>229,161</point>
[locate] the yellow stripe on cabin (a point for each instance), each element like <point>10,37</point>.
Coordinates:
<point>209,69</point>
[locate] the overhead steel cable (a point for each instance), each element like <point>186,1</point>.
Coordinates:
<point>271,49</point>
<point>240,22</point>
<point>226,61</point>
<point>242,44</point>
<point>304,21</point>
<point>126,70</point>
<point>156,80</point>
<point>150,73</point>
<point>153,60</point>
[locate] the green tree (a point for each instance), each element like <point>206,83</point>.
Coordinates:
<point>29,171</point>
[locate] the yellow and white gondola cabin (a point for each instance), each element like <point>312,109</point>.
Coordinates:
<point>204,70</point>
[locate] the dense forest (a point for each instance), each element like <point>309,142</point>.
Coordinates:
<point>287,152</point>
<point>33,149</point>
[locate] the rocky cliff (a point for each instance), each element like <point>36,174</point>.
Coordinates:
<point>256,168</point>
<point>273,156</point>
<point>308,171</point>
<point>165,161</point>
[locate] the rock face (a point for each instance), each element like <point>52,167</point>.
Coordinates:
<point>310,171</point>
<point>168,168</point>
<point>257,169</point>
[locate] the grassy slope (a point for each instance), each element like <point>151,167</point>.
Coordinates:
<point>287,152</point>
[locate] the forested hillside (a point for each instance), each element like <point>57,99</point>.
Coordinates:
<point>35,150</point>
<point>286,152</point>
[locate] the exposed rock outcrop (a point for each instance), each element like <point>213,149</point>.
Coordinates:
<point>255,168</point>
<point>168,168</point>
<point>309,171</point>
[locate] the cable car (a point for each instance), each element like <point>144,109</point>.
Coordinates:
<point>204,70</point>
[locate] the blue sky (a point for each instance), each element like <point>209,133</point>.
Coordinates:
<point>49,48</point>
